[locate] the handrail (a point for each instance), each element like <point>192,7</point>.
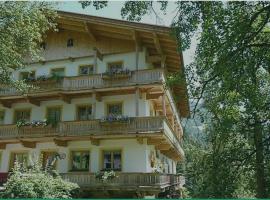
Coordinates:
<point>146,76</point>
<point>138,125</point>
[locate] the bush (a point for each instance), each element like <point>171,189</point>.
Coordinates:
<point>33,182</point>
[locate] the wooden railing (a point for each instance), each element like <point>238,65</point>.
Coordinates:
<point>134,125</point>
<point>121,180</point>
<point>90,127</point>
<point>138,125</point>
<point>91,81</point>
<point>126,180</point>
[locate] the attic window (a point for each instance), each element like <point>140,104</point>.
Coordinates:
<point>70,42</point>
<point>43,45</point>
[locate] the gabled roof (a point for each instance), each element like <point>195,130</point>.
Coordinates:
<point>158,39</point>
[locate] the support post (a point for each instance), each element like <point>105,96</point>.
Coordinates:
<point>94,105</point>
<point>137,94</point>
<point>164,105</point>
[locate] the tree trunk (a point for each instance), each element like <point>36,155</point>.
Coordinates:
<point>260,176</point>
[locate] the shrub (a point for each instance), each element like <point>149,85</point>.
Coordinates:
<point>33,182</point>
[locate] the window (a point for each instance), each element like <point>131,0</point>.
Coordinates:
<point>70,42</point>
<point>86,70</point>
<point>54,115</point>
<point>80,160</point>
<point>115,66</point>
<point>43,45</point>
<point>114,109</point>
<point>112,160</point>
<point>84,112</point>
<point>27,75</point>
<point>58,72</point>
<point>49,158</point>
<point>22,115</point>
<point>2,116</point>
<point>21,158</point>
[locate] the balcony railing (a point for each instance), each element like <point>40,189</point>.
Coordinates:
<point>125,180</point>
<point>90,82</point>
<point>136,125</point>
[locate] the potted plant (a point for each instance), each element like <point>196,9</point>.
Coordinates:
<point>115,119</point>
<point>116,73</point>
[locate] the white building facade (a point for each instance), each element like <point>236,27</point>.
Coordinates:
<point>100,102</point>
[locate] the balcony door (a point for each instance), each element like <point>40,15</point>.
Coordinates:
<point>54,115</point>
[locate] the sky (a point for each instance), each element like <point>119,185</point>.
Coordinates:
<point>113,10</point>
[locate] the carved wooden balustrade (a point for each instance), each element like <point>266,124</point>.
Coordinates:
<point>124,180</point>
<point>135,125</point>
<point>92,81</point>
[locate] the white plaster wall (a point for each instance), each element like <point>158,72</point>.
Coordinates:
<point>72,67</point>
<point>133,154</point>
<point>69,110</point>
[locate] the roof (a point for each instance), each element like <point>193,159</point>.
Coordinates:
<point>157,39</point>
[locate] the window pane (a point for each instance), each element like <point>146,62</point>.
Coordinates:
<point>58,72</point>
<point>22,115</point>
<point>117,160</point>
<point>86,70</point>
<point>84,112</point>
<point>80,160</point>
<point>54,115</point>
<point>115,109</point>
<point>76,160</point>
<point>2,117</point>
<point>27,75</point>
<point>85,161</point>
<point>114,67</point>
<point>107,160</point>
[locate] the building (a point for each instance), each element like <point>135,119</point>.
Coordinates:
<point>100,87</point>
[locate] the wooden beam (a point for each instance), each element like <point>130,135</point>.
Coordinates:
<point>61,143</point>
<point>155,141</point>
<point>150,96</point>
<point>137,101</point>
<point>6,104</point>
<point>65,98</point>
<point>157,44</point>
<point>153,58</point>
<point>90,33</point>
<point>98,97</point>
<point>137,39</point>
<point>29,144</point>
<point>32,101</point>
<point>3,146</point>
<point>95,142</point>
<point>164,110</point>
<point>98,54</point>
<point>140,140</point>
<point>163,146</point>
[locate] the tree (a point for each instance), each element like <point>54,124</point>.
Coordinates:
<point>230,73</point>
<point>33,182</point>
<point>23,26</point>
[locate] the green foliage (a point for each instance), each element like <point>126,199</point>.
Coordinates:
<point>22,29</point>
<point>33,182</point>
<point>105,175</point>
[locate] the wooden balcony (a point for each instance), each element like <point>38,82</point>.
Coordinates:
<point>156,129</point>
<point>96,81</point>
<point>127,181</point>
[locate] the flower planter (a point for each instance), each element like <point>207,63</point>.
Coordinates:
<point>115,76</point>
<point>113,123</point>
